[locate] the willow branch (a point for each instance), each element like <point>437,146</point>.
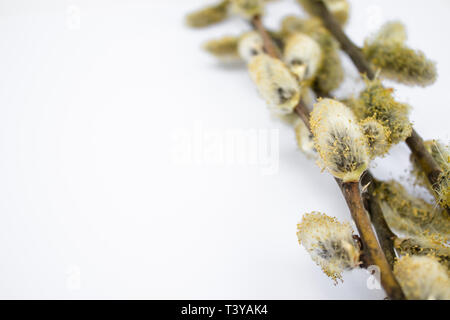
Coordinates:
<point>385,235</point>
<point>414,142</point>
<point>373,253</point>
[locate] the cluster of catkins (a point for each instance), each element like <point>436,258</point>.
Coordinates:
<point>344,136</point>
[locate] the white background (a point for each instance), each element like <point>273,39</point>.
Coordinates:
<point>92,204</point>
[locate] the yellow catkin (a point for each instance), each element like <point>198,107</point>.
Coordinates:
<point>303,55</point>
<point>387,51</point>
<point>208,15</point>
<point>276,84</point>
<point>250,45</point>
<point>422,278</point>
<point>225,48</point>
<point>329,242</point>
<point>339,140</point>
<point>410,215</point>
<point>377,137</point>
<point>378,102</point>
<point>331,73</point>
<point>425,246</point>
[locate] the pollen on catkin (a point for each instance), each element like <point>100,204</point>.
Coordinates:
<point>304,138</point>
<point>250,45</point>
<point>422,278</point>
<point>338,8</point>
<point>225,48</point>
<point>247,8</point>
<point>303,55</point>
<point>387,51</point>
<point>377,137</point>
<point>424,246</point>
<point>208,15</point>
<point>377,102</point>
<point>410,215</point>
<point>339,140</point>
<point>330,243</point>
<point>276,84</point>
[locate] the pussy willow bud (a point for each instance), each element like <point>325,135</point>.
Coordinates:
<point>386,50</point>
<point>441,154</point>
<point>392,32</point>
<point>250,45</point>
<point>247,8</point>
<point>410,215</point>
<point>339,140</point>
<point>276,84</point>
<point>225,48</point>
<point>378,102</point>
<point>330,74</point>
<point>209,15</point>
<point>401,64</point>
<point>329,242</point>
<point>422,278</point>
<point>425,246</point>
<point>377,137</point>
<point>339,8</point>
<point>304,138</point>
<point>303,55</point>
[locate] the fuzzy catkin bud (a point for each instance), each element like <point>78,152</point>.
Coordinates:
<point>387,51</point>
<point>425,245</point>
<point>410,215</point>
<point>378,102</point>
<point>225,48</point>
<point>330,74</point>
<point>304,138</point>
<point>250,45</point>
<point>339,140</point>
<point>276,84</point>
<point>422,278</point>
<point>303,55</point>
<point>377,137</point>
<point>329,242</point>
<point>209,15</point>
<point>401,64</point>
<point>247,8</point>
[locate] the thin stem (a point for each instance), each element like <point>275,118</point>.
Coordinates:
<point>414,142</point>
<point>426,161</point>
<point>373,252</point>
<point>269,45</point>
<point>371,246</point>
<point>385,235</point>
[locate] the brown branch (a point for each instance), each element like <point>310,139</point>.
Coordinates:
<point>414,142</point>
<point>269,46</point>
<point>371,246</point>
<point>426,161</point>
<point>372,250</point>
<point>385,235</point>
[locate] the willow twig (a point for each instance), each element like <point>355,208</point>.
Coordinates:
<point>415,141</point>
<point>385,235</point>
<point>350,190</point>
